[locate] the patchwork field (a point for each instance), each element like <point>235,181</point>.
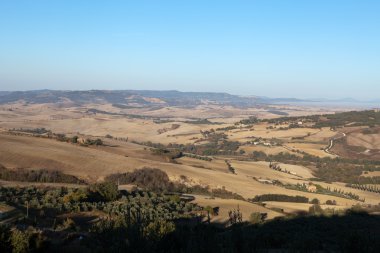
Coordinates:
<point>368,141</point>
<point>289,207</point>
<point>359,143</point>
<point>310,148</point>
<point>225,205</point>
<point>94,163</point>
<point>129,135</point>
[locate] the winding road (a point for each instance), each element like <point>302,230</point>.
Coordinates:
<point>331,143</point>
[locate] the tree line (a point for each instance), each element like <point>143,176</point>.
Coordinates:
<point>279,198</point>
<point>39,176</point>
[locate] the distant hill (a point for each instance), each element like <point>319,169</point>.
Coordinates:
<point>125,98</point>
<point>140,97</point>
<point>3,93</point>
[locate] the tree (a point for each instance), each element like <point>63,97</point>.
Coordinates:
<point>314,201</point>
<point>69,224</point>
<point>235,216</point>
<point>148,178</point>
<point>75,196</point>
<point>20,241</point>
<point>256,218</point>
<point>98,142</point>
<point>330,202</point>
<point>107,191</point>
<point>315,209</point>
<point>157,229</point>
<point>74,139</point>
<point>5,235</point>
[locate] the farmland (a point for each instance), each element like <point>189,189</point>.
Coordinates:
<point>226,166</point>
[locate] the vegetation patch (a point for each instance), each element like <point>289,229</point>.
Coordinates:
<point>38,176</point>
<point>354,118</point>
<point>279,198</point>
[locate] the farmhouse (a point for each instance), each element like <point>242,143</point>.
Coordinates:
<point>81,140</point>
<point>311,188</point>
<point>265,181</point>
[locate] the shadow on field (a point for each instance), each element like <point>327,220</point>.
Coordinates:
<point>353,232</point>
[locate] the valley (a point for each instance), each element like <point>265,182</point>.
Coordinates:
<point>231,163</point>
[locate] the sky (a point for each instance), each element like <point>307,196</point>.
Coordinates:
<point>274,48</point>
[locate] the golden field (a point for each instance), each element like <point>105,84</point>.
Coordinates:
<point>94,163</point>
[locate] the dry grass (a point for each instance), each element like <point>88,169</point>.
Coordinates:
<point>216,164</point>
<point>310,148</point>
<point>24,184</point>
<point>262,170</point>
<point>369,141</point>
<point>225,205</point>
<point>260,130</point>
<point>370,197</point>
<point>290,207</point>
<point>94,163</point>
<point>371,174</point>
<point>321,136</point>
<point>267,150</point>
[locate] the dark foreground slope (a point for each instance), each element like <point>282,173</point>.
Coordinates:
<point>350,233</point>
<point>100,218</point>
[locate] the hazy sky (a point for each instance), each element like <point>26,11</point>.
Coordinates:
<point>283,48</point>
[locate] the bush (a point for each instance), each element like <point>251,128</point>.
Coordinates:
<point>106,191</point>
<point>157,229</point>
<point>20,241</point>
<point>75,196</point>
<point>74,139</point>
<point>97,142</point>
<point>314,201</point>
<point>315,209</point>
<point>256,218</point>
<point>69,224</point>
<point>280,198</point>
<point>41,176</point>
<point>331,202</point>
<point>5,235</point>
<point>214,211</point>
<point>147,178</point>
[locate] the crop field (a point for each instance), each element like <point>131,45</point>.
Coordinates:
<point>128,144</point>
<point>226,205</point>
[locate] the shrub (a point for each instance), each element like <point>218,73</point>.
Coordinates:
<point>97,142</point>
<point>315,209</point>
<point>68,224</point>
<point>20,241</point>
<point>314,201</point>
<point>42,176</point>
<point>280,198</point>
<point>75,196</point>
<point>331,202</point>
<point>147,178</point>
<point>212,211</point>
<point>106,191</point>
<point>74,139</point>
<point>5,237</point>
<point>256,218</point>
<point>157,229</point>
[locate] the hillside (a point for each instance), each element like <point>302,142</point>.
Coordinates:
<point>109,159</point>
